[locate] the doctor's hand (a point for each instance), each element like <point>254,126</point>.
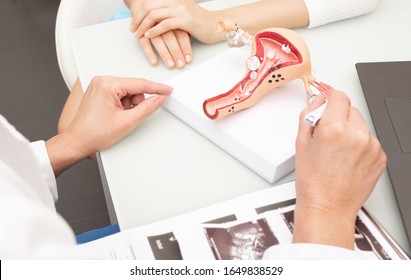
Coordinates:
<point>337,166</point>
<point>173,46</point>
<point>111,108</point>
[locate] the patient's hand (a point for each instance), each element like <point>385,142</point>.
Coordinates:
<point>173,47</point>
<point>152,18</point>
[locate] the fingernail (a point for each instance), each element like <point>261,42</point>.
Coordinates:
<point>187,58</point>
<point>147,34</point>
<point>170,63</point>
<point>131,28</point>
<point>153,62</point>
<point>180,63</point>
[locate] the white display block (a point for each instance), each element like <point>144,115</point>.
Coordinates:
<point>263,136</point>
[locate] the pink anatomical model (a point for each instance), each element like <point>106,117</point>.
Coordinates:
<point>278,56</point>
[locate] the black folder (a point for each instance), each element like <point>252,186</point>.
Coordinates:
<point>387,90</point>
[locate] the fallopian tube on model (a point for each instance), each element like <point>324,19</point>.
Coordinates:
<point>278,56</point>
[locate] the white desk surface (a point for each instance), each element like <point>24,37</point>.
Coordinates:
<point>165,168</point>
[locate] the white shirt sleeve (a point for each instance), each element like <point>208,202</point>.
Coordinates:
<point>310,251</point>
<point>325,11</point>
<point>40,152</point>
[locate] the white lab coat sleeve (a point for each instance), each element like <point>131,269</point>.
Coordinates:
<point>311,251</point>
<point>29,225</point>
<point>40,151</point>
<point>326,11</point>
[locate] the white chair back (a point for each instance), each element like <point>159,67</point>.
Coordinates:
<point>74,14</point>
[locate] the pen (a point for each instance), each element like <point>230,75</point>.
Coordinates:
<point>313,117</point>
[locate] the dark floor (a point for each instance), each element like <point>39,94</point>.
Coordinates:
<point>32,93</point>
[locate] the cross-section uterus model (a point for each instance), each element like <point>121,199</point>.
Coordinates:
<point>278,56</point>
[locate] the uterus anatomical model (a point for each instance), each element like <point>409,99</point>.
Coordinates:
<point>278,56</point>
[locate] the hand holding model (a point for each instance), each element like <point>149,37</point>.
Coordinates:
<point>111,108</point>
<point>337,166</point>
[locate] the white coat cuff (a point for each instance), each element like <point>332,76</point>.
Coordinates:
<point>40,151</point>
